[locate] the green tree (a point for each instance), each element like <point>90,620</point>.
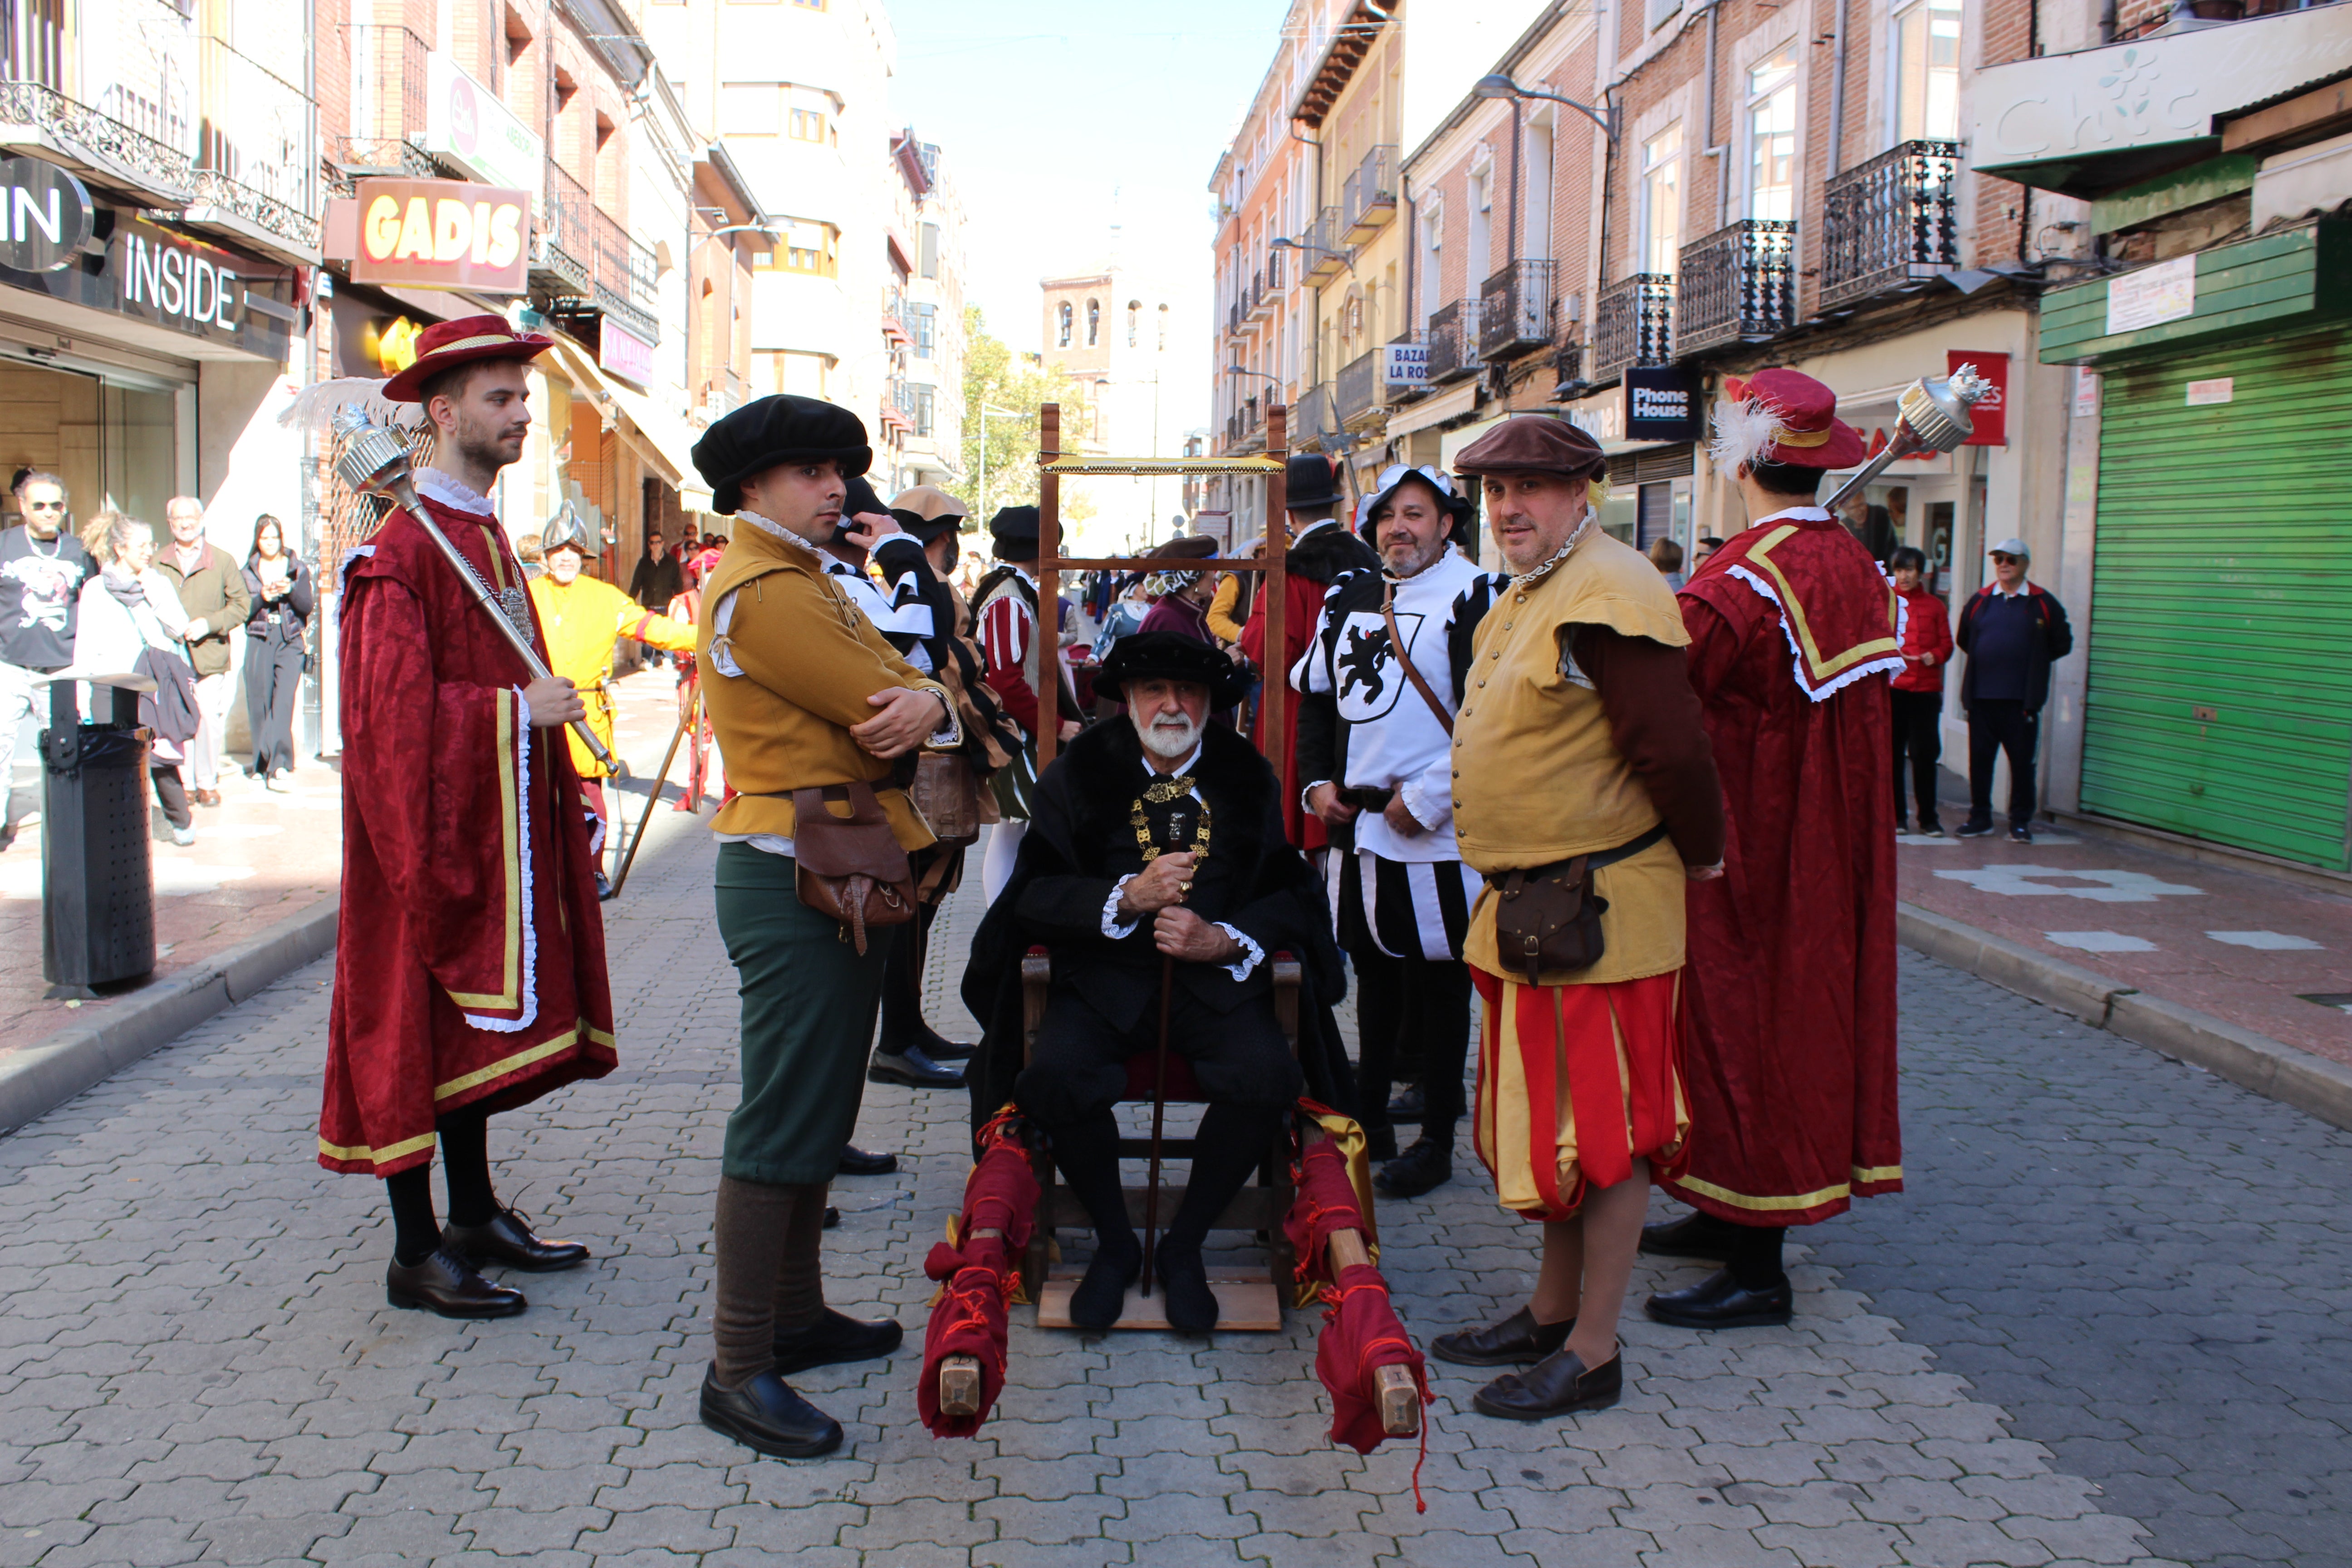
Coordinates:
<point>996,377</point>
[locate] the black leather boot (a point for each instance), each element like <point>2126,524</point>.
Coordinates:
<point>1517,1339</point>
<point>1559,1385</point>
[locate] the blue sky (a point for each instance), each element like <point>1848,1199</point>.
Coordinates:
<point>1054,114</point>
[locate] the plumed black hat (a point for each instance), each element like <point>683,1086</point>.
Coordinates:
<point>773,430</point>
<point>1308,481</point>
<point>1173,656</point>
<point>1015,528</point>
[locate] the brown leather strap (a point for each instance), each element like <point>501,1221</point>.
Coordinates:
<point>1404,658</point>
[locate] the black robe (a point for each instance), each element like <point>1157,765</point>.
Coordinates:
<point>1080,810</point>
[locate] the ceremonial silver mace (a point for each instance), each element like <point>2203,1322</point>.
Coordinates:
<point>1933,418</point>
<point>375,461</point>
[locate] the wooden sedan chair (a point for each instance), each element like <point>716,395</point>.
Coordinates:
<point>1243,1303</point>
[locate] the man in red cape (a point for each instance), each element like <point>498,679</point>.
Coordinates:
<point>469,952</point>
<point>1320,552</point>
<point>1790,1070</point>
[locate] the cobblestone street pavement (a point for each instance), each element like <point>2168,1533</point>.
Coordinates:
<point>2107,1325</point>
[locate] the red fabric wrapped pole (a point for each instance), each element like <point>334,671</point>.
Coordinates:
<point>980,1278</point>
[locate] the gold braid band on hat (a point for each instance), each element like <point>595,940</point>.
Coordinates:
<point>1784,437</point>
<point>487,340</point>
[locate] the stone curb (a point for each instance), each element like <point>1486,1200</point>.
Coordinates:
<point>38,1079</point>
<point>2311,1084</point>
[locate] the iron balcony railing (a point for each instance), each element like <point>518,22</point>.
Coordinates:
<point>1261,297</point>
<point>100,144</point>
<point>1327,257</point>
<point>1514,310</point>
<point>564,240</point>
<point>1454,342</point>
<point>1369,197</point>
<point>257,147</point>
<point>1358,391</point>
<point>1232,320</point>
<point>1892,223</point>
<point>1274,271</point>
<point>1738,285</point>
<point>1314,414</point>
<point>1632,324</point>
<point>387,102</point>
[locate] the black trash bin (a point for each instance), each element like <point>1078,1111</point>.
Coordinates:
<point>98,883</point>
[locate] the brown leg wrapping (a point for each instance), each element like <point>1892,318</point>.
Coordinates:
<point>800,1282</point>
<point>750,1237</point>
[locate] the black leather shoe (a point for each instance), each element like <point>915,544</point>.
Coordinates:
<point>767,1415</point>
<point>856,1162</point>
<point>1559,1385</point>
<point>1379,1143</point>
<point>445,1283</point>
<point>1190,1305</point>
<point>1408,1105</point>
<point>1696,1235</point>
<point>1720,1302</point>
<point>1516,1338</point>
<point>1096,1303</point>
<point>832,1218</point>
<point>834,1338</point>
<point>939,1048</point>
<point>508,1239</point>
<point>1428,1164</point>
<point>913,1068</point>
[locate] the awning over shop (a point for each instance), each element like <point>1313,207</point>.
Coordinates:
<point>664,440</point>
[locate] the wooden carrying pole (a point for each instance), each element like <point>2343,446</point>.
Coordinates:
<point>1273,696</point>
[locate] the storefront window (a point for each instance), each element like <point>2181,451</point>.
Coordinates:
<point>115,446</point>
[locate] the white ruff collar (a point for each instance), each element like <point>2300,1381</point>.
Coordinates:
<point>453,493</point>
<point>779,531</point>
<point>1800,513</point>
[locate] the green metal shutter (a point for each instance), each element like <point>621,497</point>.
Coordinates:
<point>2220,686</point>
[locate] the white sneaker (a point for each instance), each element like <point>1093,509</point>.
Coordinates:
<point>278,784</point>
<point>184,836</point>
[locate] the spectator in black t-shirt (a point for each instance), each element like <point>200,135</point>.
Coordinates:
<point>657,580</point>
<point>42,569</point>
<point>2011,631</point>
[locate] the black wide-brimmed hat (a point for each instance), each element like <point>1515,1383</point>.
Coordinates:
<point>1171,655</point>
<point>1308,481</point>
<point>1015,528</point>
<point>771,431</point>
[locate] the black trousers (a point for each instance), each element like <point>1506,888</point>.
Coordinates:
<point>1079,1069</point>
<point>1918,737</point>
<point>2002,726</point>
<point>1413,1007</point>
<point>172,794</point>
<point>273,683</point>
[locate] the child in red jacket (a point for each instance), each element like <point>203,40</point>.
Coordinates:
<point>1919,690</point>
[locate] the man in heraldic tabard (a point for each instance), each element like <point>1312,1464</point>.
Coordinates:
<point>469,950</point>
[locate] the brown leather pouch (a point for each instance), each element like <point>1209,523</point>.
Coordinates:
<point>947,791</point>
<point>850,868</point>
<point>1547,918</point>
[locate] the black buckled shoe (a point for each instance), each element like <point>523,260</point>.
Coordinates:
<point>1560,1384</point>
<point>856,1162</point>
<point>766,1415</point>
<point>1427,1163</point>
<point>913,1068</point>
<point>445,1283</point>
<point>507,1238</point>
<point>1696,1235</point>
<point>1190,1304</point>
<point>1516,1338</point>
<point>835,1338</point>
<point>1720,1302</point>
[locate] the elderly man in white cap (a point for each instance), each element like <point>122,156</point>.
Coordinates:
<point>2012,631</point>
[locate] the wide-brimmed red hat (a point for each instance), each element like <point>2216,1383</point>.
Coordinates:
<point>445,345</point>
<point>1782,417</point>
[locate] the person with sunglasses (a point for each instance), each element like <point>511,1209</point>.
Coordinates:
<point>42,569</point>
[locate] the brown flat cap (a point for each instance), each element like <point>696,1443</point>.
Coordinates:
<point>1533,444</point>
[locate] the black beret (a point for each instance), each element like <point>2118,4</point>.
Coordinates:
<point>1173,656</point>
<point>769,431</point>
<point>860,498</point>
<point>1015,528</point>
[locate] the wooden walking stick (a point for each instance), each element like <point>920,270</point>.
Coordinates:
<point>686,721</point>
<point>1159,1114</point>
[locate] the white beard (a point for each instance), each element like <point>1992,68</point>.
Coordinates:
<point>1165,741</point>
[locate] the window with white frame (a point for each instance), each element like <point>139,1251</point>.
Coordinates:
<point>1772,135</point>
<point>1482,214</point>
<point>1661,232</point>
<point>1927,71</point>
<point>1433,262</point>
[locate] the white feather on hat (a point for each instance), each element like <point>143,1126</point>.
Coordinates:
<point>1745,431</point>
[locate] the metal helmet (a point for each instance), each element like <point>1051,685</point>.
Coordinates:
<point>567,529</point>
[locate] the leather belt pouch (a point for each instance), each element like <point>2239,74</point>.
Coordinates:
<point>850,868</point>
<point>1547,918</point>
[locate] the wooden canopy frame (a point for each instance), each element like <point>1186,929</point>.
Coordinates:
<point>1054,465</point>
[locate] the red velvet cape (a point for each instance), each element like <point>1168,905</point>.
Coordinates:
<point>1791,1066</point>
<point>469,950</point>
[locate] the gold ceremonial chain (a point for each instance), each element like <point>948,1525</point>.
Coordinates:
<point>1162,792</point>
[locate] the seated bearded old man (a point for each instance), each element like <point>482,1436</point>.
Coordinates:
<point>1158,837</point>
